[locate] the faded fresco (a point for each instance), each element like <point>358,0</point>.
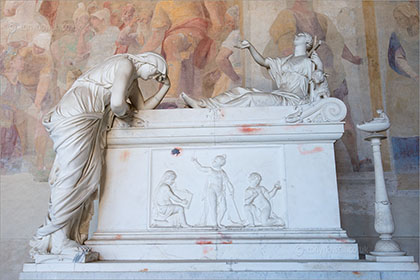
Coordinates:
<point>45,45</point>
<point>400,45</point>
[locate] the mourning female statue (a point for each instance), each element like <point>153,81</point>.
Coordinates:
<point>77,126</point>
<point>292,74</point>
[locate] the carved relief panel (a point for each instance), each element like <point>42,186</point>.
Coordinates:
<point>221,188</point>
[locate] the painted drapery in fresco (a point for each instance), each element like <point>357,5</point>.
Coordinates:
<point>402,92</point>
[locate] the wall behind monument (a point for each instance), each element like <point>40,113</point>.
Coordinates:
<point>370,51</point>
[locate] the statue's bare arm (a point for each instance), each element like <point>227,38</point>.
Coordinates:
<point>153,101</point>
<point>123,76</point>
<point>174,198</point>
<point>250,195</point>
<point>273,192</point>
<point>135,95</point>
<point>200,167</point>
<point>254,53</point>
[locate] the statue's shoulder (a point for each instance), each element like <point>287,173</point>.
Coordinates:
<point>123,63</point>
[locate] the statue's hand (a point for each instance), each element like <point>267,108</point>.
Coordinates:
<point>315,58</point>
<point>130,119</point>
<point>314,55</point>
<point>277,185</point>
<point>244,45</point>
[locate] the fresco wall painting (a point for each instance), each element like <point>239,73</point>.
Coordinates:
<point>46,45</point>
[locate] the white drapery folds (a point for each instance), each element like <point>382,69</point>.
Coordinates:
<point>77,125</point>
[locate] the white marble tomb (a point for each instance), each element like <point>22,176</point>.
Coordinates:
<point>156,220</point>
<point>178,186</point>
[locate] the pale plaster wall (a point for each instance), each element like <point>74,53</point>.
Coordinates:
<point>24,204</point>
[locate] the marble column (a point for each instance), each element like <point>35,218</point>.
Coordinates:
<point>384,223</point>
<point>386,249</point>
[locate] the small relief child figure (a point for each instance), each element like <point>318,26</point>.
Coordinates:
<point>216,201</point>
<point>319,86</point>
<point>257,203</point>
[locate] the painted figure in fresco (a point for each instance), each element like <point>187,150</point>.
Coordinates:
<point>144,31</point>
<point>14,100</point>
<point>36,78</point>
<point>26,31</point>
<point>102,44</point>
<point>115,12</point>
<point>402,93</point>
<point>67,51</point>
<point>228,58</point>
<point>22,22</point>
<point>258,205</point>
<point>292,75</point>
<point>301,17</point>
<point>169,207</point>
<point>48,8</point>
<point>92,7</point>
<point>77,126</point>
<point>402,51</point>
<point>181,29</point>
<point>127,39</point>
<point>215,202</point>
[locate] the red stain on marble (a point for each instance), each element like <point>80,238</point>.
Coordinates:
<point>225,238</point>
<point>308,152</point>
<point>207,250</point>
<point>124,155</point>
<point>341,240</point>
<point>246,128</point>
<point>356,273</point>
<point>118,237</point>
<point>203,242</point>
<point>291,127</point>
<point>144,270</point>
<point>176,151</point>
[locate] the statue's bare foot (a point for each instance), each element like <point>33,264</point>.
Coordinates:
<point>69,247</point>
<point>190,101</point>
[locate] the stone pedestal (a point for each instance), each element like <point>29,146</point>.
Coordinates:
<point>386,249</point>
<point>292,214</point>
<point>82,257</point>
